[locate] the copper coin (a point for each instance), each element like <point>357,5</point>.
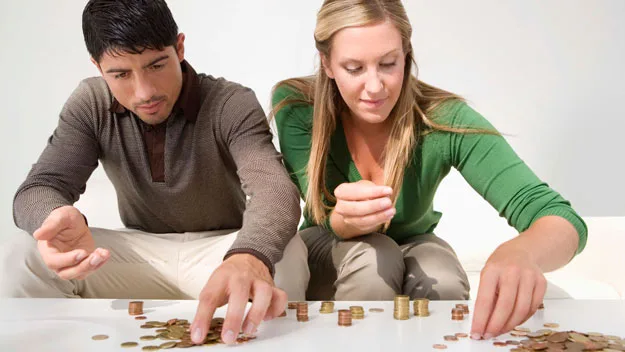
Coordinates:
<point>450,338</point>
<point>439,346</point>
<point>141,317</point>
<point>99,337</point>
<point>461,335</point>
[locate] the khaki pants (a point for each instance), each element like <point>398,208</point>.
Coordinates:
<point>375,267</point>
<point>141,266</point>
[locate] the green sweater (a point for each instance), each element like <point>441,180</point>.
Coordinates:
<point>486,161</point>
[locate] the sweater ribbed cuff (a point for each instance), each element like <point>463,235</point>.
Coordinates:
<point>263,258</point>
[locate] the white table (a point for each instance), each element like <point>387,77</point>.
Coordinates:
<point>68,325</point>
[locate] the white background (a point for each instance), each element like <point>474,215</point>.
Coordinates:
<point>549,74</point>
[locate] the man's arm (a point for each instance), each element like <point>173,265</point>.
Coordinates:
<point>272,210</point>
<point>60,175</point>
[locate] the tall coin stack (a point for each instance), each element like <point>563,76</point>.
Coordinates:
<point>464,307</point>
<point>358,312</point>
<point>421,308</point>
<point>135,308</point>
<point>326,307</point>
<point>401,310</point>
<point>457,314</point>
<point>345,317</point>
<point>302,311</point>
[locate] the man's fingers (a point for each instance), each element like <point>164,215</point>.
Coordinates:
<point>261,299</point>
<point>277,305</point>
<point>359,191</point>
<point>484,303</point>
<point>349,208</point>
<point>85,267</point>
<point>207,305</point>
<point>239,295</point>
<point>508,288</point>
<point>56,260</point>
<point>50,227</point>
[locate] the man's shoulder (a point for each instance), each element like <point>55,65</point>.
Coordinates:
<point>92,93</point>
<point>217,90</point>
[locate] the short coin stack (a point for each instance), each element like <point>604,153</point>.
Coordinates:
<point>292,305</point>
<point>464,307</point>
<point>302,311</point>
<point>135,308</point>
<point>326,307</point>
<point>401,309</point>
<point>457,314</point>
<point>345,317</point>
<point>421,308</point>
<point>358,312</point>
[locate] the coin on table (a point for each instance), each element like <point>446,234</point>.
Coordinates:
<point>376,310</point>
<point>99,337</point>
<point>141,317</point>
<point>551,325</point>
<point>150,348</point>
<point>450,338</point>
<point>168,345</point>
<point>439,346</point>
<point>461,335</point>
<point>129,344</point>
<point>499,343</point>
<point>147,338</point>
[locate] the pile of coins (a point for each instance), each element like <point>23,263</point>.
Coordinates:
<point>551,340</point>
<point>358,312</point>
<point>457,314</point>
<point>421,308</point>
<point>302,311</point>
<point>135,308</point>
<point>292,305</point>
<point>464,307</point>
<point>401,310</point>
<point>326,307</point>
<point>176,334</point>
<point>345,317</point>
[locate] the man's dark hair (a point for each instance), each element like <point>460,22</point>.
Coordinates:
<point>127,26</point>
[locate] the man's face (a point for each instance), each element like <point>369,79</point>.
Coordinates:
<point>148,84</point>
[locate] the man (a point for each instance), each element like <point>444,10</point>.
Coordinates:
<point>197,177</point>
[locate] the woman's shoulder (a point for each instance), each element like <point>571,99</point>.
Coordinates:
<point>457,113</point>
<point>289,102</point>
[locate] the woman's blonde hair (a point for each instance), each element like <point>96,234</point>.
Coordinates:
<point>409,116</point>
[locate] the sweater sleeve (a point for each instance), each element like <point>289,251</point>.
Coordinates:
<point>272,211</point>
<point>59,176</point>
<point>497,173</point>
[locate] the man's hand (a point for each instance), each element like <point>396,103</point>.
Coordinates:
<point>66,245</point>
<point>235,281</point>
<point>362,207</point>
<point>511,288</point>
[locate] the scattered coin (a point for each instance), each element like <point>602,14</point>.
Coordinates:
<point>147,338</point>
<point>450,338</point>
<point>376,310</point>
<point>129,344</point>
<point>141,317</point>
<point>99,337</point>
<point>439,346</point>
<point>461,335</point>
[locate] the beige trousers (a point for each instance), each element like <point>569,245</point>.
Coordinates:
<point>142,266</point>
<point>375,267</point>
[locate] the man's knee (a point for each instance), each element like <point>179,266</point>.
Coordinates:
<point>292,273</point>
<point>21,267</point>
<point>373,270</point>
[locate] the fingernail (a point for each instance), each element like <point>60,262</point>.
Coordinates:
<point>384,203</point>
<point>80,256</point>
<point>476,336</point>
<point>197,335</point>
<point>388,190</point>
<point>95,260</point>
<point>250,328</point>
<point>229,337</point>
<point>488,336</point>
<point>390,212</point>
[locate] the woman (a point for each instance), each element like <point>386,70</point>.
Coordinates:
<point>367,144</point>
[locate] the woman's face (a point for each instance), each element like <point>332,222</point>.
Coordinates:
<point>367,64</point>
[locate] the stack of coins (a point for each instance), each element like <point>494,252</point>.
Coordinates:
<point>358,312</point>
<point>345,317</point>
<point>292,305</point>
<point>457,314</point>
<point>421,308</point>
<point>464,307</point>
<point>326,307</point>
<point>302,311</point>
<point>401,310</point>
<point>135,308</point>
